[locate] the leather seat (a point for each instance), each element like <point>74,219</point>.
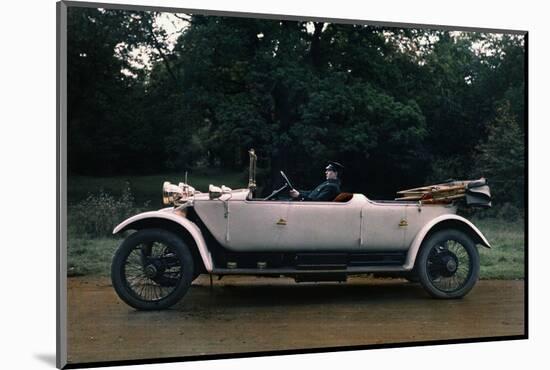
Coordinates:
<point>343,197</point>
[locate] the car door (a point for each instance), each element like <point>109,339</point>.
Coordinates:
<point>383,226</point>
<point>255,226</point>
<point>322,226</point>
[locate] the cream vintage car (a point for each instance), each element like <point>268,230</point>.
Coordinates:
<point>230,232</point>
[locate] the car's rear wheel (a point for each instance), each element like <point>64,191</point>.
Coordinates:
<point>152,269</point>
<point>448,264</point>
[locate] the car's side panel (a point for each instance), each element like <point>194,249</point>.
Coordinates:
<point>321,226</point>
<point>213,214</point>
<point>421,235</point>
<point>417,216</point>
<point>380,228</point>
<point>256,226</point>
<point>168,214</point>
<point>393,225</point>
<point>244,225</point>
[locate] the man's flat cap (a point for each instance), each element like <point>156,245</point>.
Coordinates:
<point>335,166</point>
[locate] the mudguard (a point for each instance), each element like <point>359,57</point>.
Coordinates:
<point>169,215</point>
<point>421,235</point>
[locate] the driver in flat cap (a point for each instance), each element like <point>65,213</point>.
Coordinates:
<point>326,191</point>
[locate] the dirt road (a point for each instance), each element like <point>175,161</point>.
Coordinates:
<point>261,314</point>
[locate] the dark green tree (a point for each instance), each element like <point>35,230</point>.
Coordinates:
<point>108,127</point>
<point>399,107</point>
<point>502,158</point>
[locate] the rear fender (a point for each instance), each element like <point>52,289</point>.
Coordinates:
<point>450,221</point>
<point>158,218</point>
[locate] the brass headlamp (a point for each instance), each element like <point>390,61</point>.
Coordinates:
<point>176,194</point>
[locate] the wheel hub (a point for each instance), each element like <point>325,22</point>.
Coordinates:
<point>449,264</point>
<point>150,271</point>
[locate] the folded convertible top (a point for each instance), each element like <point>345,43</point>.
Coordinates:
<point>474,192</point>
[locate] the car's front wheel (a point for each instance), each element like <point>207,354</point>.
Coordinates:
<point>152,269</point>
<point>412,277</point>
<point>448,264</point>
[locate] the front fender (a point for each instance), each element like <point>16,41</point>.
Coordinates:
<point>168,215</point>
<point>453,221</point>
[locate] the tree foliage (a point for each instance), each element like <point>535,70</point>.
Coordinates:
<point>399,107</point>
<point>502,157</point>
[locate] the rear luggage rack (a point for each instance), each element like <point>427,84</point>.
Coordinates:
<point>474,192</point>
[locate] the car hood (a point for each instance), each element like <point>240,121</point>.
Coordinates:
<point>237,194</point>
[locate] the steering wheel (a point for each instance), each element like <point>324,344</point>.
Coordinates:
<point>287,185</point>
<point>287,181</point>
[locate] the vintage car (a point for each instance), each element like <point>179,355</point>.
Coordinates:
<point>228,232</point>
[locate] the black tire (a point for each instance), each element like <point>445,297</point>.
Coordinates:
<point>152,269</point>
<point>412,277</point>
<point>448,264</point>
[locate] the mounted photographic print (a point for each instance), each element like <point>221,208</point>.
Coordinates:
<point>239,184</point>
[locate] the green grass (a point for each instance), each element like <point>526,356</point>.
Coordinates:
<point>91,255</point>
<point>88,256</point>
<point>149,188</point>
<point>505,259</point>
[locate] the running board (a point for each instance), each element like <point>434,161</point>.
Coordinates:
<point>294,271</point>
